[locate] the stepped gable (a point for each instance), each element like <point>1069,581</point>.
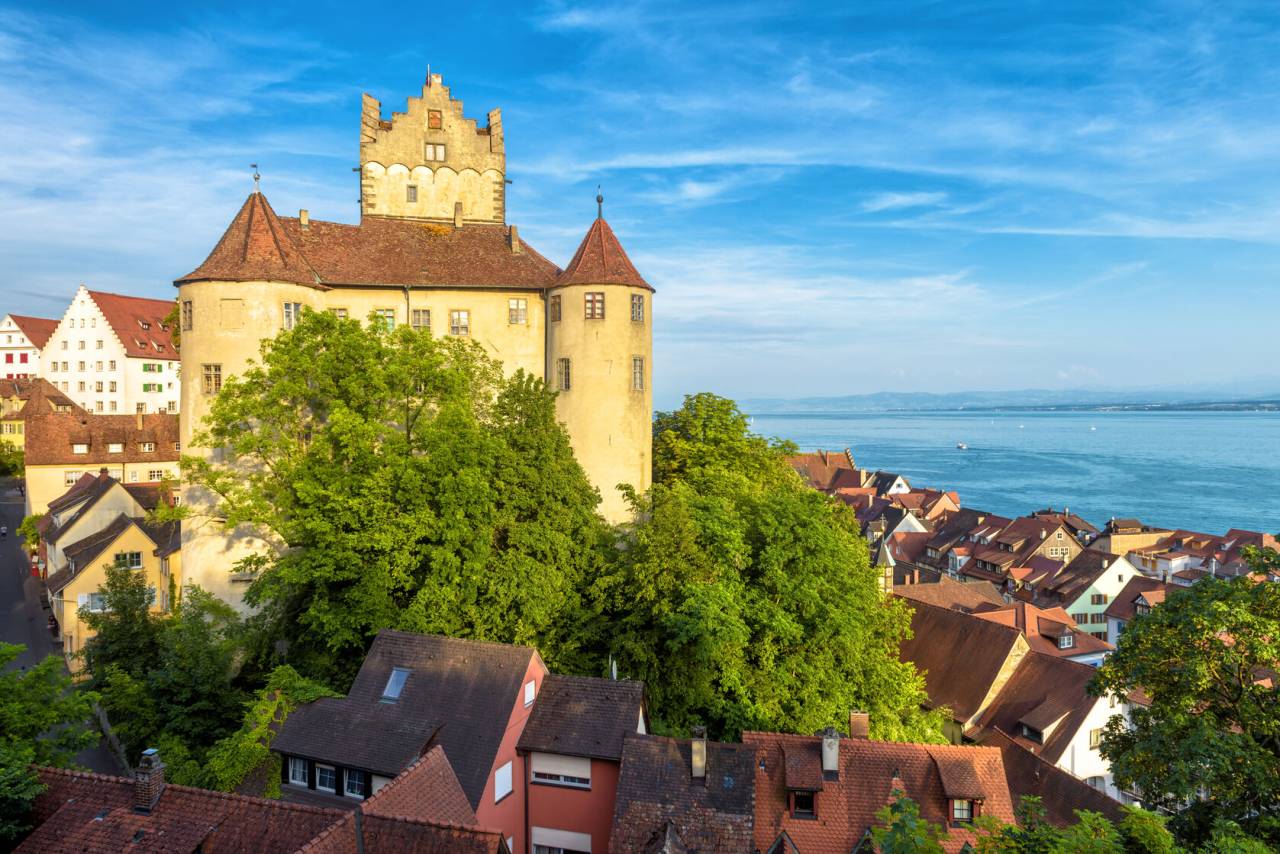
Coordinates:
<point>255,248</point>
<point>139,324</point>
<point>37,329</point>
<point>601,260</point>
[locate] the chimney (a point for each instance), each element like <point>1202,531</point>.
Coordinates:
<point>859,725</point>
<point>457,214</point>
<point>148,781</point>
<point>516,248</point>
<point>698,753</point>
<point>102,473</point>
<point>830,751</point>
<point>304,219</point>
<point>138,420</point>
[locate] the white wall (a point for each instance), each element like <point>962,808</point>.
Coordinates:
<point>1083,761</point>
<point>1109,584</point>
<point>14,345</point>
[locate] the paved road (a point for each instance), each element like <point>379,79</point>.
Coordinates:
<point>22,618</point>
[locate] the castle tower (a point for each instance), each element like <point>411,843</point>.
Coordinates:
<point>430,162</point>
<point>599,355</point>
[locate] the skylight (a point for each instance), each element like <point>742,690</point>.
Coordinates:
<point>395,684</point>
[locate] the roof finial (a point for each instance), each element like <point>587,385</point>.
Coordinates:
<point>599,203</point>
<point>256,177</point>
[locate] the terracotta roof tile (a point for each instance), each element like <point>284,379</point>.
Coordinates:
<point>869,772</point>
<point>1060,793</point>
<point>259,246</point>
<point>583,716</point>
<point>601,260</point>
<point>255,248</point>
<point>37,329</point>
<point>1121,607</point>
<point>1048,693</point>
<point>49,439</point>
<point>139,324</point>
<point>427,790</point>
<point>949,593</point>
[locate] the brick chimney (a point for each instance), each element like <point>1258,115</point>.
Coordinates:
<point>148,781</point>
<point>138,419</point>
<point>516,248</point>
<point>304,219</point>
<point>698,753</point>
<point>859,725</point>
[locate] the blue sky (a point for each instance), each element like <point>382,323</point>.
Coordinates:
<point>830,199</point>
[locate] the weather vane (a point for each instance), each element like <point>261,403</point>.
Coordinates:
<point>256,176</point>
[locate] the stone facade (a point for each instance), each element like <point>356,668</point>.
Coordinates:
<point>446,261</point>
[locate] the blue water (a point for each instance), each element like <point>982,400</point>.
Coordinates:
<point>1203,471</point>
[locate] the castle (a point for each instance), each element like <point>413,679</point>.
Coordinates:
<point>432,249</point>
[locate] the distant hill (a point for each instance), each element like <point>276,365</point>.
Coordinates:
<point>1200,399</point>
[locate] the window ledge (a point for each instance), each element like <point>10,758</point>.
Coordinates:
<point>554,784</point>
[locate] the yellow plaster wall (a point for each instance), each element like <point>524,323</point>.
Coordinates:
<point>609,424</point>
<point>90,580</point>
<point>45,483</point>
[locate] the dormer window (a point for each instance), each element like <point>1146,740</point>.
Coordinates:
<point>1066,641</point>
<point>79,448</point>
<point>144,324</point>
<point>395,684</point>
<point>961,811</point>
<point>147,447</point>
<point>1031,733</point>
<point>115,448</point>
<point>804,805</point>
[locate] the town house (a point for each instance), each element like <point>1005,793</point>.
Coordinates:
<point>22,339</point>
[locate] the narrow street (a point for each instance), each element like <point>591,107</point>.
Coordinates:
<point>22,618</point>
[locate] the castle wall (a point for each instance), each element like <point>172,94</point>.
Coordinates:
<point>610,423</point>
<point>435,149</point>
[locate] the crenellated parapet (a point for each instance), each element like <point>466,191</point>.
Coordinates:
<point>426,161</point>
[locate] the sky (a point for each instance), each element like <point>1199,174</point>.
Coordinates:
<point>829,198</point>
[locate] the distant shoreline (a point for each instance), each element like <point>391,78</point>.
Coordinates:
<point>1207,406</point>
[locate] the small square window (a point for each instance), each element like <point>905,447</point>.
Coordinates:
<point>115,448</point>
<point>1095,738</point>
<point>147,447</point>
<point>326,778</point>
<point>594,306</point>
<point>435,120</point>
<point>517,312</point>
<point>411,193</point>
<point>421,319</point>
<point>386,317</point>
<point>297,771</point>
<point>292,314</point>
<point>79,448</point>
<point>460,322</point>
<point>802,804</point>
<point>962,811</point>
<point>353,785</point>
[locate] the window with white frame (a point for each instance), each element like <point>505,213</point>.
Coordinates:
<point>593,306</point>
<point>554,769</point>
<point>434,151</point>
<point>212,378</point>
<point>353,785</point>
<point>155,475</point>
<point>395,684</point>
<point>637,373</point>
<point>292,314</point>
<point>961,811</point>
<point>1095,738</point>
<point>129,560</point>
<point>530,690</point>
<point>637,308</point>
<point>420,319</point>
<point>517,312</point>
<point>1066,641</point>
<point>386,318</point>
<point>115,448</point>
<point>70,477</point>
<point>327,778</point>
<point>79,448</point>
<point>460,322</point>
<point>297,767</point>
<point>147,447</point>
<point>562,374</point>
<point>502,782</point>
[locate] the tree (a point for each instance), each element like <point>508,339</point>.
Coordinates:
<point>43,721</point>
<point>903,831</point>
<point>1206,660</point>
<point>126,631</point>
<point>745,600</point>
<point>29,530</point>
<point>404,483</point>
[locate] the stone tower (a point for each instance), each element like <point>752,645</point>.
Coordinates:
<point>599,359</point>
<point>430,162</point>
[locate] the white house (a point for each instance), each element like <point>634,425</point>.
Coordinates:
<point>1087,585</point>
<point>114,354</point>
<point>22,339</point>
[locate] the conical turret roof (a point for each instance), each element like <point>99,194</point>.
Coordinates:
<point>255,247</point>
<point>600,260</point>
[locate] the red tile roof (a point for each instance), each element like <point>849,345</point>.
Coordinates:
<point>869,771</point>
<point>1048,693</point>
<point>601,260</point>
<point>139,324</point>
<point>1060,793</point>
<point>393,835</point>
<point>93,814</point>
<point>1042,627</point>
<point>949,593</point>
<point>49,439</point>
<point>427,790</point>
<point>1121,607</point>
<point>37,329</point>
<point>260,246</point>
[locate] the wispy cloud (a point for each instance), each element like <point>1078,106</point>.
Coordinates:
<point>895,201</point>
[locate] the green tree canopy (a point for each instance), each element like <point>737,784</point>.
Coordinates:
<point>405,483</point>
<point>43,721</point>
<point>744,599</point>
<point>1207,659</point>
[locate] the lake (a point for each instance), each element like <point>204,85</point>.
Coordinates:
<point>1203,471</point>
